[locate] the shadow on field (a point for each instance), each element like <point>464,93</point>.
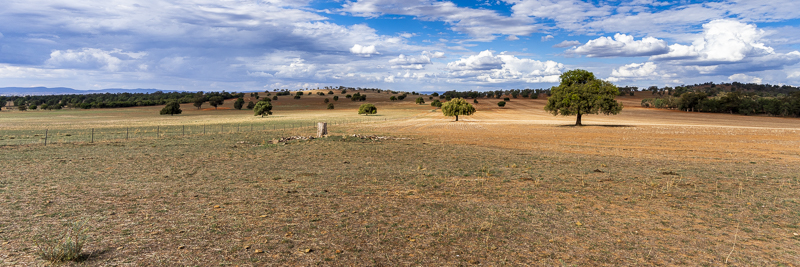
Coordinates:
<point>598,125</point>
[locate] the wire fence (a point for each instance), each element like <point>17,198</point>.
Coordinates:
<point>91,135</point>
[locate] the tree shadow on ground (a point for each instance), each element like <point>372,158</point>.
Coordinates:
<point>599,125</point>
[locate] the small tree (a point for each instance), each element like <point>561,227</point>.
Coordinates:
<point>456,107</point>
<point>327,100</point>
<point>251,105</point>
<point>22,107</point>
<point>330,92</point>
<point>367,109</point>
<point>336,98</point>
<point>171,108</point>
<point>501,104</point>
<point>239,103</point>
<point>330,105</point>
<point>506,99</point>
<point>263,108</point>
<point>393,98</point>
<point>215,101</point>
<point>420,101</point>
<point>475,101</point>
<point>581,93</point>
<point>275,98</point>
<point>436,103</point>
<point>198,101</point>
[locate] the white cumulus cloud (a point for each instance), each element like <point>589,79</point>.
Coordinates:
<point>486,67</point>
<point>364,50</point>
<point>512,38</point>
<point>566,43</point>
<point>744,78</point>
<point>92,58</point>
<point>410,62</point>
<point>622,45</point>
<point>436,54</point>
<point>634,71</point>
<point>547,38</point>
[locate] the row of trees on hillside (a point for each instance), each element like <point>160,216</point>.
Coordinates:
<point>108,100</point>
<point>730,102</point>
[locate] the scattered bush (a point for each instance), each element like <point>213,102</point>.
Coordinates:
<point>393,98</point>
<point>501,104</point>
<point>475,101</point>
<point>420,101</point>
<point>171,108</point>
<point>251,105</point>
<point>336,98</point>
<point>239,103</point>
<point>66,247</point>
<point>436,103</point>
<point>367,109</point>
<point>330,105</point>
<point>275,98</point>
<point>327,100</point>
<point>506,99</point>
<point>297,97</point>
<point>216,101</point>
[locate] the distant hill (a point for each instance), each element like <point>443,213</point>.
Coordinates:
<point>8,91</point>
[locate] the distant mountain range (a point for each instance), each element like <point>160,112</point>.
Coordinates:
<point>9,91</point>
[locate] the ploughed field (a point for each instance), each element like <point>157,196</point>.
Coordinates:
<point>506,186</point>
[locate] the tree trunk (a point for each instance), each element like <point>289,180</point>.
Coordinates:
<point>578,122</point>
<point>456,117</point>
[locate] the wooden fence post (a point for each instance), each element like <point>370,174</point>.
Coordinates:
<point>45,137</point>
<point>92,135</point>
<point>322,129</point>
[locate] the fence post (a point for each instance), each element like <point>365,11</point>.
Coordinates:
<point>183,130</point>
<point>45,137</point>
<point>92,136</point>
<point>126,133</point>
<point>158,131</point>
<point>204,129</point>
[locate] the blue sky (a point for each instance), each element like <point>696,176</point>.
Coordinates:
<point>412,45</point>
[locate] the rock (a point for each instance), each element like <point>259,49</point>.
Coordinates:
<point>258,251</point>
<point>247,247</point>
<point>181,247</point>
<point>216,206</point>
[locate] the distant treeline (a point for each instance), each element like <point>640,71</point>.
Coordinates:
<point>108,100</point>
<point>739,98</point>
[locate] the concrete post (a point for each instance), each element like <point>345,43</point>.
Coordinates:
<point>322,129</point>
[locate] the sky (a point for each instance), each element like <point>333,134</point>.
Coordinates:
<point>408,45</point>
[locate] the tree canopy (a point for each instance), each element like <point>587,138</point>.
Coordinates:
<point>581,93</point>
<point>456,107</point>
<point>216,101</point>
<point>367,109</point>
<point>263,108</point>
<point>172,108</point>
<point>239,103</point>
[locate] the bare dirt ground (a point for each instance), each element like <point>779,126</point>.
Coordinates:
<point>506,186</point>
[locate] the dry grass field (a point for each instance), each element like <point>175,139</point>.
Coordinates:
<point>506,186</point>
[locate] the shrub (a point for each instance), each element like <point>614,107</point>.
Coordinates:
<point>501,104</point>
<point>393,98</point>
<point>171,108</point>
<point>534,96</point>
<point>420,101</point>
<point>475,101</point>
<point>275,98</point>
<point>251,105</point>
<point>239,103</point>
<point>506,99</point>
<point>330,92</point>
<point>401,97</point>
<point>299,93</point>
<point>330,105</point>
<point>216,101</point>
<point>297,97</point>
<point>66,247</point>
<point>327,100</point>
<point>436,103</point>
<point>367,109</point>
<point>336,98</point>
<point>263,108</point>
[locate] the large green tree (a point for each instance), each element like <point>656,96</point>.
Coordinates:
<point>367,109</point>
<point>456,107</point>
<point>198,101</point>
<point>581,93</point>
<point>216,101</point>
<point>263,108</point>
<point>172,108</point>
<point>239,103</point>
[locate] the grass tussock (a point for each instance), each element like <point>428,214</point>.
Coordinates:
<point>65,246</point>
